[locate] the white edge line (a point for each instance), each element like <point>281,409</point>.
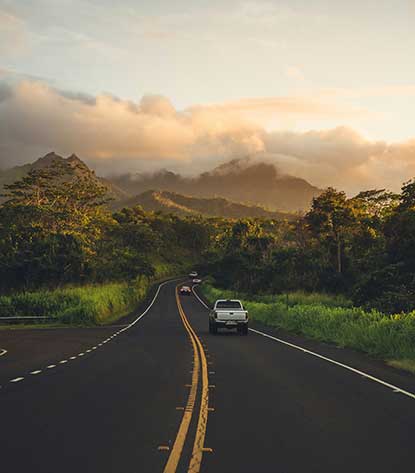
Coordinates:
<point>198,298</point>
<point>15,380</point>
<point>149,307</point>
<point>325,358</point>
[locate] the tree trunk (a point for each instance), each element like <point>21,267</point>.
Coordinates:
<point>339,255</point>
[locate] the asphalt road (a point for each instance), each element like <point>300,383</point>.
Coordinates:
<point>163,394</point>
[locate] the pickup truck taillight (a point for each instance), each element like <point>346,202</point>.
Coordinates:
<point>215,314</point>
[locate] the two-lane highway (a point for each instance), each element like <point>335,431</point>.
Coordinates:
<point>163,395</point>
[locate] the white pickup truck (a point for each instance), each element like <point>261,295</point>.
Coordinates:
<point>228,313</point>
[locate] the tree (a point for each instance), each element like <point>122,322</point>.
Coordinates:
<point>49,225</point>
<point>330,219</point>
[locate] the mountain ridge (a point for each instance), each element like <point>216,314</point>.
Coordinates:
<point>256,187</point>
<point>185,205</point>
<point>254,183</point>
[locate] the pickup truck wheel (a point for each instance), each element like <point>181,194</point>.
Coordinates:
<point>214,328</point>
<point>244,330</point>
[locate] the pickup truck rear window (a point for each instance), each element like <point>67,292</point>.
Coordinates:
<point>228,305</point>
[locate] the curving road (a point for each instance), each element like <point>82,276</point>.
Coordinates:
<point>160,394</point>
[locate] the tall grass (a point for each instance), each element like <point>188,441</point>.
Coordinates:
<point>77,305</point>
<point>332,319</point>
<point>84,305</point>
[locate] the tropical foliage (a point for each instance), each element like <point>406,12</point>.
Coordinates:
<point>55,231</point>
<point>362,247</point>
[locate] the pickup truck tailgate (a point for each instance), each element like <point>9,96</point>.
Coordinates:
<point>229,315</point>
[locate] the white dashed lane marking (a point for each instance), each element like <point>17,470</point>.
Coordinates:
<point>125,327</point>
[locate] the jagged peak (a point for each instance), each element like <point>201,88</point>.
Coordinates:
<point>73,157</point>
<point>47,160</point>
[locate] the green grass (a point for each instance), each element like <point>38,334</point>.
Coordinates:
<point>84,305</point>
<point>407,365</point>
<point>87,305</point>
<point>332,319</point>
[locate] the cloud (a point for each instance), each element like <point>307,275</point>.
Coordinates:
<point>403,90</point>
<point>6,92</point>
<point>294,72</point>
<point>117,135</point>
<point>299,106</point>
<point>343,158</point>
<point>13,36</point>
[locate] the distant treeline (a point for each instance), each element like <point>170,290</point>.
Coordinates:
<point>55,230</point>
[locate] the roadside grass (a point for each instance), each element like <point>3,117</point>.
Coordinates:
<point>334,320</point>
<point>99,304</point>
<point>39,325</point>
<point>407,365</point>
<point>86,305</point>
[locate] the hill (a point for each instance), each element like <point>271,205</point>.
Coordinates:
<point>171,202</point>
<point>253,183</point>
<point>237,188</point>
<point>11,175</point>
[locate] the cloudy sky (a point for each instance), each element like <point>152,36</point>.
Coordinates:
<point>323,88</point>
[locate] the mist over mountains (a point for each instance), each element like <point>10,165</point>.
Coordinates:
<point>239,180</point>
<point>237,188</point>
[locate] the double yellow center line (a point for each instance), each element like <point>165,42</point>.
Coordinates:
<point>199,364</point>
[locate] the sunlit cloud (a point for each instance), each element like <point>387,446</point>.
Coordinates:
<point>294,72</point>
<point>404,90</point>
<point>116,135</point>
<point>13,35</point>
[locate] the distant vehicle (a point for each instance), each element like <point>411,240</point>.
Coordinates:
<point>193,274</point>
<point>185,291</point>
<point>196,281</point>
<point>228,314</point>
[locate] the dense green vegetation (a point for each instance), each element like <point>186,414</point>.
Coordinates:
<point>331,319</point>
<point>90,304</point>
<point>362,247</point>
<point>63,254</point>
<point>56,231</point>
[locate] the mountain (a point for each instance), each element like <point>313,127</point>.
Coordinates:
<point>237,188</point>
<point>253,183</point>
<point>9,176</point>
<point>171,202</point>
